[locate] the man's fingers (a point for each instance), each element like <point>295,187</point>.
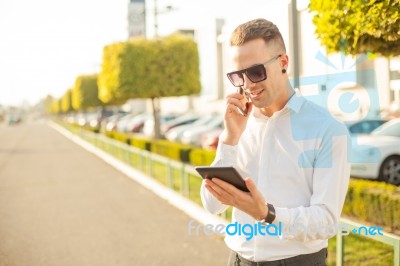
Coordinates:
<point>225,186</point>
<point>252,188</point>
<point>217,188</point>
<point>237,103</point>
<point>234,95</point>
<point>233,109</point>
<point>212,191</point>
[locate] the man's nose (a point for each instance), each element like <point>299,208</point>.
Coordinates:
<point>247,83</point>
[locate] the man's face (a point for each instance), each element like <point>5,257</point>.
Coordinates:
<point>265,93</point>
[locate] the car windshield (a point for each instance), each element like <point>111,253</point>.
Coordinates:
<point>364,126</point>
<point>391,128</point>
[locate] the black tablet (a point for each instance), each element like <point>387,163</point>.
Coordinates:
<point>227,173</point>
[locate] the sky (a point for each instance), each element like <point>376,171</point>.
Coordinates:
<point>46,44</point>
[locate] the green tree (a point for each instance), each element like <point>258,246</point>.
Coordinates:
<point>55,107</point>
<point>358,26</point>
<point>66,103</point>
<point>142,68</point>
<point>85,93</point>
<point>48,102</point>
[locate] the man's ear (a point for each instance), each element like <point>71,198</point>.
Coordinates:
<point>284,61</point>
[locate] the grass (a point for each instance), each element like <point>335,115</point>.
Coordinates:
<point>361,251</point>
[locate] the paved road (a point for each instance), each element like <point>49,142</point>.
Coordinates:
<point>62,206</point>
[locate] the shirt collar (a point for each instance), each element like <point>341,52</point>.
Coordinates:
<point>295,102</point>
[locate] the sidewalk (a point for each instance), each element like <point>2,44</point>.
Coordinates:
<point>61,205</point>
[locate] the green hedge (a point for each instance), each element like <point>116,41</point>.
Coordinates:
<point>74,127</point>
<point>375,202</point>
<point>140,142</point>
<point>201,157</point>
<point>173,150</point>
<point>119,136</point>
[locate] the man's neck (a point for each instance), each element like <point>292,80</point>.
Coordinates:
<point>270,110</point>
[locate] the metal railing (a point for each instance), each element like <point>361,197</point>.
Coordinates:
<point>386,238</point>
<point>144,160</point>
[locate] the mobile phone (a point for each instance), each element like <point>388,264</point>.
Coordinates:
<point>226,173</point>
<point>245,111</point>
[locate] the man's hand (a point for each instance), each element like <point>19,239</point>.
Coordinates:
<point>252,202</point>
<point>234,121</point>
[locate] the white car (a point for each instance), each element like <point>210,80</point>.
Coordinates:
<point>175,134</point>
<point>377,156</point>
<point>193,136</point>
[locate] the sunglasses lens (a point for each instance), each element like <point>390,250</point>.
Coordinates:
<point>236,79</point>
<point>256,73</point>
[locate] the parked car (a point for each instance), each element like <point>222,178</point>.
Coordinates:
<point>132,123</point>
<point>175,134</point>
<point>110,123</point>
<point>365,126</point>
<point>179,121</point>
<point>209,140</point>
<point>377,155</point>
<point>136,124</point>
<point>193,136</point>
<point>148,125</point>
<point>81,119</point>
<point>14,119</point>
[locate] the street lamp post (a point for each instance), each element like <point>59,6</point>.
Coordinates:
<point>155,19</point>
<point>156,101</point>
<point>156,13</point>
<point>295,44</point>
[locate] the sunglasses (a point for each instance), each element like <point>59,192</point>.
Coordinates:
<point>255,73</point>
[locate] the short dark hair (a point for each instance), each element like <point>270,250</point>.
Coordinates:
<point>258,29</point>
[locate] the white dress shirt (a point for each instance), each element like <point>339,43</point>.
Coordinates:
<point>298,159</point>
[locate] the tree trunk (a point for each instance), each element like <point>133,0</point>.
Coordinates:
<point>155,102</point>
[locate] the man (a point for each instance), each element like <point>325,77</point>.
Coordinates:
<point>292,152</point>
